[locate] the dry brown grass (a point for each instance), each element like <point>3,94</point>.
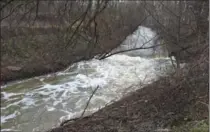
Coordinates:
<point>167,102</point>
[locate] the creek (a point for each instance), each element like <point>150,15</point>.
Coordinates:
<point>40,103</point>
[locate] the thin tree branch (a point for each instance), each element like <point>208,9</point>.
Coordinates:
<point>133,49</point>
<point>2,7</point>
<point>164,30</point>
<point>87,104</point>
<point>94,91</point>
<point>83,16</point>
<point>37,11</point>
<point>106,53</point>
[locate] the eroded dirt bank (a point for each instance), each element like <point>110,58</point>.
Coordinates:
<point>169,102</point>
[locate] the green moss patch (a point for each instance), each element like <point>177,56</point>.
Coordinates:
<point>193,126</point>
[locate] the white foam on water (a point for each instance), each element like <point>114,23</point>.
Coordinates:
<point>10,130</point>
<point>114,75</point>
<point>50,108</point>
<point>143,37</point>
<point>7,95</point>
<point>77,114</point>
<point>10,116</point>
<point>66,99</point>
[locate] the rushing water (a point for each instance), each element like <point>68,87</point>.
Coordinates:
<point>40,103</point>
<point>143,37</point>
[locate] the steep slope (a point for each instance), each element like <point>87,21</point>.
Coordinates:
<point>168,102</point>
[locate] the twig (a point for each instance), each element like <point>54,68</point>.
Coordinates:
<point>2,7</point>
<point>94,91</point>
<point>82,17</point>
<point>132,49</point>
<point>103,56</point>
<point>165,30</point>
<point>172,62</point>
<point>155,110</point>
<point>77,118</point>
<point>66,121</point>
<point>37,11</point>
<point>203,103</point>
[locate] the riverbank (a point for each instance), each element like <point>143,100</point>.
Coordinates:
<point>51,58</point>
<point>42,54</point>
<point>167,104</point>
<point>53,43</point>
